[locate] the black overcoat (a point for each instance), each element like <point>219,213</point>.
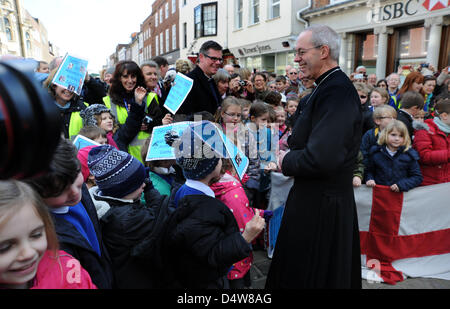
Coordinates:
<point>318,242</point>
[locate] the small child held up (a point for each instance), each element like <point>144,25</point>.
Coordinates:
<point>98,115</point>
<point>29,252</point>
<point>393,162</point>
<point>202,239</point>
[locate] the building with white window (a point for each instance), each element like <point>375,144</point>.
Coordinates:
<point>386,35</point>
<point>23,35</point>
<point>262,33</point>
<point>201,21</point>
<point>163,30</point>
<point>258,34</point>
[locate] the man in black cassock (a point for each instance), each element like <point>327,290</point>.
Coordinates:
<point>318,242</point>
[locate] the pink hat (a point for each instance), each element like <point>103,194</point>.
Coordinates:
<point>83,157</point>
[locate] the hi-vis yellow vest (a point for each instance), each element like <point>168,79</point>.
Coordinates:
<point>75,124</point>
<point>121,115</point>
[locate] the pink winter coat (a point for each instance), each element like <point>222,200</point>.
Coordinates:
<point>229,191</point>
<point>64,272</point>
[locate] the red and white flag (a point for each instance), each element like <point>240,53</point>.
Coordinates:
<point>404,234</point>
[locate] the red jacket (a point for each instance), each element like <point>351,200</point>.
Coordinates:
<point>433,147</point>
<point>64,272</point>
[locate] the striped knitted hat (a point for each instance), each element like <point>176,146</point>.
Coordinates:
<point>116,173</point>
<point>193,155</point>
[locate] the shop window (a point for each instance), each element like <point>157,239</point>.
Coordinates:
<point>412,45</point>
<point>366,51</point>
<point>205,20</point>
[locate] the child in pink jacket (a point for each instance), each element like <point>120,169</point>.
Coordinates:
<point>230,191</point>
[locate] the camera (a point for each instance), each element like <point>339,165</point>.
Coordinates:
<point>242,83</point>
<point>30,123</point>
<point>424,65</point>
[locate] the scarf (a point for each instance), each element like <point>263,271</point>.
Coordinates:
<point>442,126</point>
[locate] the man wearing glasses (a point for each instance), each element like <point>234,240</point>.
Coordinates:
<point>204,95</point>
<point>318,242</point>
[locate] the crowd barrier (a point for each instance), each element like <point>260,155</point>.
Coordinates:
<point>402,234</point>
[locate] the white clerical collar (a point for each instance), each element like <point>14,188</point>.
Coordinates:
<point>200,186</point>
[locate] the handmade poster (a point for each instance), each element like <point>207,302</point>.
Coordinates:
<point>81,141</point>
<point>178,93</point>
<point>71,74</point>
<point>158,148</point>
<point>222,145</point>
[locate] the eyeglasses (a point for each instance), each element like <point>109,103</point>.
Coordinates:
<point>293,73</point>
<point>302,52</point>
<point>363,97</point>
<point>214,59</point>
<point>233,115</point>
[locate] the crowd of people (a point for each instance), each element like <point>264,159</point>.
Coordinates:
<point>122,222</point>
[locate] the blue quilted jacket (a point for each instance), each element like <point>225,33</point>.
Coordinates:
<point>401,169</point>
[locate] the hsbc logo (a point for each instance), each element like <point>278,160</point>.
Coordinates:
<point>432,5</point>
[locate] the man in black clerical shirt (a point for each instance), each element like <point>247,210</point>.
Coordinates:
<point>318,242</point>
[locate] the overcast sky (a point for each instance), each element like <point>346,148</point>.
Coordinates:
<point>90,29</point>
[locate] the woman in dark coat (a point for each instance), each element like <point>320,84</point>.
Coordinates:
<point>318,242</point>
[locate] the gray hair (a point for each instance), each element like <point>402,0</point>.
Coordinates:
<point>324,35</point>
<point>152,64</point>
<point>149,63</point>
<point>222,75</point>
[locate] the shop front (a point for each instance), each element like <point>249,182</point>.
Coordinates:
<point>387,35</point>
<point>271,56</point>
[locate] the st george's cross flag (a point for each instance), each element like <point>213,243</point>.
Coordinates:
<point>404,234</point>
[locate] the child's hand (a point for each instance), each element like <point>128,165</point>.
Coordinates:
<point>253,228</point>
<point>395,188</point>
<point>356,181</point>
<point>139,94</point>
<point>371,183</point>
<point>167,119</point>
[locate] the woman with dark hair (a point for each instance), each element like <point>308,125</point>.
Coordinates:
<point>259,82</point>
<point>427,91</point>
<point>126,79</point>
<point>413,82</point>
<point>382,83</point>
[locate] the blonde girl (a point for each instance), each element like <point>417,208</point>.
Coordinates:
<point>393,162</point>
<point>29,256</point>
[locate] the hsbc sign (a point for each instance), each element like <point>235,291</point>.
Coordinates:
<point>380,13</point>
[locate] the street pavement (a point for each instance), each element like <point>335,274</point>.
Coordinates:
<point>261,264</point>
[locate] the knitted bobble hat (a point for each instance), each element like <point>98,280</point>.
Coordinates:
<point>193,155</point>
<point>88,114</point>
<point>116,173</point>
